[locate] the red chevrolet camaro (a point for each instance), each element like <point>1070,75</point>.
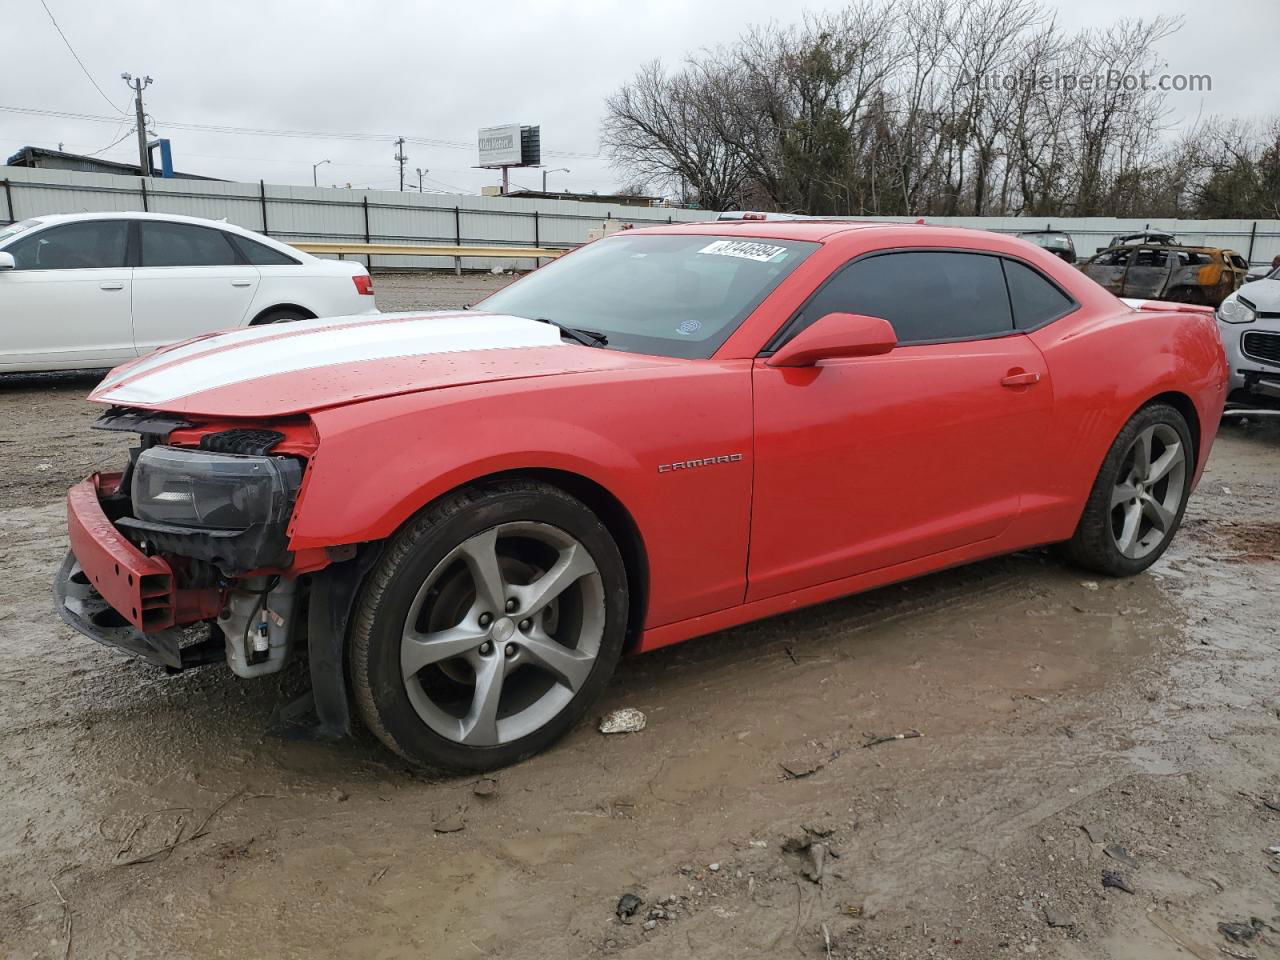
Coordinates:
<point>465,518</point>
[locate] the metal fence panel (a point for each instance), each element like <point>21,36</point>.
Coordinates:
<point>300,213</point>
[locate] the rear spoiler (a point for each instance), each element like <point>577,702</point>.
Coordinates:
<point>1164,306</point>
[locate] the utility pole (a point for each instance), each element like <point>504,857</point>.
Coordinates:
<point>137,86</point>
<point>400,159</point>
<point>419,171</point>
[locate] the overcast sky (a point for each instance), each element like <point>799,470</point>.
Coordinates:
<point>439,70</point>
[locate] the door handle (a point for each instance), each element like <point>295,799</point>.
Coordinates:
<point>242,283</point>
<point>1020,380</point>
<point>111,285</point>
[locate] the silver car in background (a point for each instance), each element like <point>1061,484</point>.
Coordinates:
<point>1249,321</point>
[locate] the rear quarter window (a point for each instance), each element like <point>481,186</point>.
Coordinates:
<point>259,254</point>
<point>1034,298</point>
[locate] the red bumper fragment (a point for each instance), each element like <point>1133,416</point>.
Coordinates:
<point>138,587</point>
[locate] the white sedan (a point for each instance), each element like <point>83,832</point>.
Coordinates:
<point>92,290</point>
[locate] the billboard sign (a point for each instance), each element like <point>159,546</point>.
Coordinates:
<point>500,146</point>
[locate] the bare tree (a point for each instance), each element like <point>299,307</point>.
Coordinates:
<point>928,107</point>
<point>658,130</point>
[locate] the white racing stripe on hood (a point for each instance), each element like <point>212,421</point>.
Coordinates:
<point>239,335</point>
<point>245,355</point>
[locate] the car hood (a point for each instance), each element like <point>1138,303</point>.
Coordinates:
<point>294,368</point>
<point>1263,294</point>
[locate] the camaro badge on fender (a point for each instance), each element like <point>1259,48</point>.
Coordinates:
<point>704,462</point>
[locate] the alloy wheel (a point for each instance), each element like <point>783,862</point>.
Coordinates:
<point>1148,491</point>
<point>503,633</point>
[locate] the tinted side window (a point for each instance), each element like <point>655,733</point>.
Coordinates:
<point>73,246</point>
<point>260,254</point>
<point>926,296</point>
<point>182,245</point>
<point>1035,300</point>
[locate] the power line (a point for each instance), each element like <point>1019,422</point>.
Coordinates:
<point>128,133</point>
<point>83,68</point>
<point>272,132</point>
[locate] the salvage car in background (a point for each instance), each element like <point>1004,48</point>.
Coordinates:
<point>1056,242</point>
<point>1249,321</point>
<point>468,517</point>
<point>1155,266</point>
<point>90,290</point>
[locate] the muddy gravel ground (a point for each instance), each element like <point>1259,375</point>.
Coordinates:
<point>1070,727</point>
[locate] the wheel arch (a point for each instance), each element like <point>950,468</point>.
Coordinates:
<point>310,314</point>
<point>1185,406</point>
<point>610,510</point>
<point>621,525</point>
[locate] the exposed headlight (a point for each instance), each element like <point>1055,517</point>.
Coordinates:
<point>1235,310</point>
<point>213,491</point>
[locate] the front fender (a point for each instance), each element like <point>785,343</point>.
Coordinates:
<point>380,462</point>
<point>361,490</point>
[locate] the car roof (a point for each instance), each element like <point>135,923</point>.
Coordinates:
<point>53,218</point>
<point>127,215</point>
<point>1177,247</point>
<point>812,229</point>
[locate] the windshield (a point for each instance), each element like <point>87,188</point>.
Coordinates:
<point>673,296</point>
<point>14,229</point>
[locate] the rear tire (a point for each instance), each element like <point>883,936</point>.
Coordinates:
<point>283,315</point>
<point>1139,496</point>
<point>489,626</point>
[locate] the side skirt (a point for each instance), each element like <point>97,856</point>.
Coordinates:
<point>657,637</point>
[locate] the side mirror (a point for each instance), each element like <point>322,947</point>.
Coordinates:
<point>836,335</point>
<point>6,261</point>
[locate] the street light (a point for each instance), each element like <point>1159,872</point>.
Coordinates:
<point>314,168</point>
<point>419,171</point>
<point>557,170</point>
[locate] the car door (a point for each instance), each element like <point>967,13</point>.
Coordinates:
<point>1148,274</point>
<point>65,304</point>
<point>189,280</point>
<point>863,463</point>
<point>1108,269</point>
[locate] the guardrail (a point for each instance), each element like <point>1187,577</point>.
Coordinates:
<point>423,250</point>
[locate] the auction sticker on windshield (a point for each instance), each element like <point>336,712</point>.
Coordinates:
<point>745,250</point>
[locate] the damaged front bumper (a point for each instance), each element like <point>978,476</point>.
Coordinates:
<point>113,593</point>
<point>194,532</point>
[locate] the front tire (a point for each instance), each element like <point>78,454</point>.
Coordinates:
<point>489,626</point>
<point>1140,494</point>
